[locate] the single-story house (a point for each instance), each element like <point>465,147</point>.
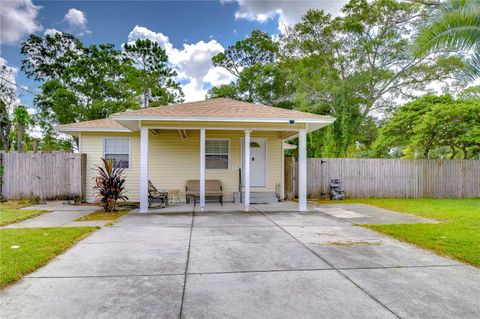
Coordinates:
<point>199,141</point>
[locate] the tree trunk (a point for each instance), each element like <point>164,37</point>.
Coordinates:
<point>5,127</point>
<point>21,137</point>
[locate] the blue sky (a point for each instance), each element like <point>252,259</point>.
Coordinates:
<point>190,31</point>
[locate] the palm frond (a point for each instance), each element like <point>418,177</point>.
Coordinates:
<point>455,25</point>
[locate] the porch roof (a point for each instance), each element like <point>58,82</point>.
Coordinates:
<point>214,110</point>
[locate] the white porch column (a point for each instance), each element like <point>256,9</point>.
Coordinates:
<point>302,170</point>
<point>246,168</point>
<point>202,169</point>
<point>144,170</point>
<point>282,174</point>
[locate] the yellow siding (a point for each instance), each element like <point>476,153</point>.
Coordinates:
<point>173,160</point>
<point>92,145</point>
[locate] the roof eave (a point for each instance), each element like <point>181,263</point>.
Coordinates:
<point>70,130</point>
<point>326,120</point>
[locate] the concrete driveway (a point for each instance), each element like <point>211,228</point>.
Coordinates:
<point>244,265</point>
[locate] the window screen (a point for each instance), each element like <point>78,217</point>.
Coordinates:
<point>216,154</point>
<point>118,150</point>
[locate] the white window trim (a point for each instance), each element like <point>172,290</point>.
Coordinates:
<point>229,154</point>
<point>129,148</point>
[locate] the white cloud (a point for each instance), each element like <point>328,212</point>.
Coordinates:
<point>218,76</point>
<point>144,33</point>
<point>52,31</point>
<point>287,12</point>
<point>77,21</point>
<point>193,62</point>
<point>17,19</point>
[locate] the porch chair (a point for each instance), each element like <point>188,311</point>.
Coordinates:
<point>156,197</point>
<point>213,188</point>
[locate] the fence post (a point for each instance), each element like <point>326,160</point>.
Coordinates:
<point>83,178</point>
<point>2,172</point>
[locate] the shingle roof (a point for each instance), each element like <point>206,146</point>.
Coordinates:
<point>218,108</point>
<point>209,109</point>
<point>94,124</point>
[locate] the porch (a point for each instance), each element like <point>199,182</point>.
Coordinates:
<point>247,161</point>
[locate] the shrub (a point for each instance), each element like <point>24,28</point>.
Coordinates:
<point>109,185</point>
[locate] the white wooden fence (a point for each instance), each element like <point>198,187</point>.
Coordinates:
<point>46,175</point>
<point>394,178</point>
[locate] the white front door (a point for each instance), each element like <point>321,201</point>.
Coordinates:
<point>258,165</point>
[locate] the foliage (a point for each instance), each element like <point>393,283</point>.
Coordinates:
<point>351,66</point>
<point>432,124</point>
<point>22,121</point>
<point>151,77</point>
<point>90,87</point>
<point>81,83</point>
<point>259,76</point>
<point>36,246</point>
<point>110,185</point>
<point>7,100</point>
<point>455,25</point>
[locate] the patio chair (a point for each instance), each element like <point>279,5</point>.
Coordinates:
<point>213,188</point>
<point>156,197</point>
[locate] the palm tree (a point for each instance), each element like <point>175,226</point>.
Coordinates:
<point>454,25</point>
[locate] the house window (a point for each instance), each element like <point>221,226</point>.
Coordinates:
<point>118,150</point>
<point>216,153</point>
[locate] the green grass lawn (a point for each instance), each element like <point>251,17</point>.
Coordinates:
<point>10,212</point>
<point>23,250</point>
<point>101,215</point>
<point>9,216</point>
<point>458,235</point>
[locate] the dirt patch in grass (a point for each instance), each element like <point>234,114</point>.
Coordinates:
<point>457,236</point>
<point>352,243</point>
<point>101,215</point>
<point>23,250</point>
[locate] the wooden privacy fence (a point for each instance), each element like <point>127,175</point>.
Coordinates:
<point>394,178</point>
<point>46,175</point>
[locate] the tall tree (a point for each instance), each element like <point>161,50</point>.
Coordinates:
<point>454,25</point>
<point>7,101</point>
<point>259,76</point>
<point>78,82</point>
<point>49,57</point>
<point>151,77</point>
<point>22,120</point>
<point>358,64</point>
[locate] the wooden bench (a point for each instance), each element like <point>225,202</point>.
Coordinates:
<point>213,188</point>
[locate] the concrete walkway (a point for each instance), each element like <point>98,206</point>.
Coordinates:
<point>244,265</point>
<point>58,215</point>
